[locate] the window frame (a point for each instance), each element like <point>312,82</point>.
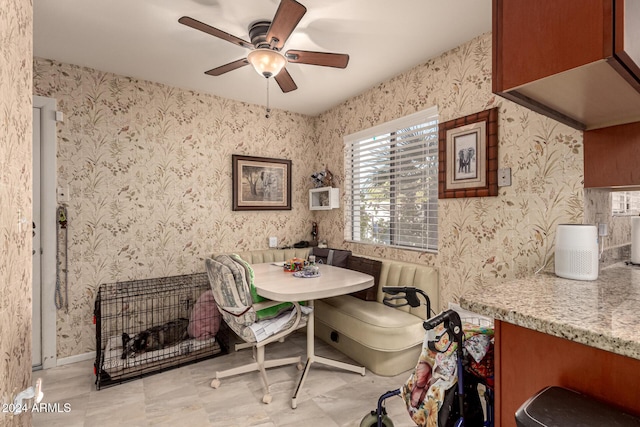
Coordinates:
<point>427,118</point>
<point>631,200</point>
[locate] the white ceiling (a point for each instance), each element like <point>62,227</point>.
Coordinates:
<point>143,39</point>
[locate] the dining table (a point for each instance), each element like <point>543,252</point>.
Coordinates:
<point>273,282</point>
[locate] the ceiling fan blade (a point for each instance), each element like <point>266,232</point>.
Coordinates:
<point>194,23</point>
<point>289,13</point>
<point>337,60</point>
<point>227,67</point>
<point>285,81</point>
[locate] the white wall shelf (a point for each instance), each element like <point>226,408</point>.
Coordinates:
<point>324,198</point>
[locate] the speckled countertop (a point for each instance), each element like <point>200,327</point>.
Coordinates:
<point>604,313</point>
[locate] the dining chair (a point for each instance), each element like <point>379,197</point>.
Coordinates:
<point>231,280</point>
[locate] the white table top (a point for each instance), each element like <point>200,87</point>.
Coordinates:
<point>274,283</point>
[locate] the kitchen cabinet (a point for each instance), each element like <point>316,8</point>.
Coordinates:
<point>611,157</point>
<point>324,198</point>
<point>573,60</point>
<point>528,361</point>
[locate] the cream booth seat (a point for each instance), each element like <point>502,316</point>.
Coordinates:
<point>384,339</point>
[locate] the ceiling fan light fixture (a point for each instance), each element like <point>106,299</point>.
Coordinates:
<point>267,62</point>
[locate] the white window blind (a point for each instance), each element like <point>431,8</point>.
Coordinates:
<point>391,183</point>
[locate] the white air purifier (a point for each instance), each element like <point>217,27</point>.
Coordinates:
<point>577,251</point>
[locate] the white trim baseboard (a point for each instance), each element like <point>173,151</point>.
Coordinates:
<point>76,358</point>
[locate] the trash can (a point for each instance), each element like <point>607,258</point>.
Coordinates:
<point>559,407</point>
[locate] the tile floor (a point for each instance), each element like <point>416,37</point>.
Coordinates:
<point>183,396</point>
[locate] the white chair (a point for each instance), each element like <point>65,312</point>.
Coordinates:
<point>231,280</point>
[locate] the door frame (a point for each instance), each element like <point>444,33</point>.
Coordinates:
<point>48,227</point>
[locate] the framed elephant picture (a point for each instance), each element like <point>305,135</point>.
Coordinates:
<point>261,183</point>
<point>468,156</point>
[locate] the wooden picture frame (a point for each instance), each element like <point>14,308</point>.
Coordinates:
<point>261,183</point>
<point>468,156</point>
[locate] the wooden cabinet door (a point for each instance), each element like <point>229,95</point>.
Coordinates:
<point>611,156</point>
<point>536,39</point>
<point>627,40</point>
<point>576,61</point>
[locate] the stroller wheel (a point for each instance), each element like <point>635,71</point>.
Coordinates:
<point>371,420</point>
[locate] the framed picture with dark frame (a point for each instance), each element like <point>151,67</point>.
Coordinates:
<point>468,156</point>
<point>261,183</point>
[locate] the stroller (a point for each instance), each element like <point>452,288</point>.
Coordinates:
<point>452,383</point>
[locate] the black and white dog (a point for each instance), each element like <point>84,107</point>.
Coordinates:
<point>154,338</point>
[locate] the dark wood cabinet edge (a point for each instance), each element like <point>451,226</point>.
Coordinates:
<point>496,47</point>
<point>497,369</point>
<point>628,69</point>
<point>538,107</point>
<point>609,26</point>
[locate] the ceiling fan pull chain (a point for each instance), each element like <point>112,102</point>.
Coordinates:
<point>268,109</point>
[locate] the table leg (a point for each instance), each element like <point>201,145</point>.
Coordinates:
<point>311,327</point>
<point>294,399</point>
<point>311,358</point>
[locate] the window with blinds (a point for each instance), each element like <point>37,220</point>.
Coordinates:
<point>391,183</point>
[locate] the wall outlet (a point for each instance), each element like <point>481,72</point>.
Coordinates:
<point>504,177</point>
<point>603,230</point>
<point>273,242</point>
<point>63,194</point>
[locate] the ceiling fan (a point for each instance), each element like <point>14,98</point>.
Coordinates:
<point>267,39</point>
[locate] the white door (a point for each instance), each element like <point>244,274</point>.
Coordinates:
<point>44,242</point>
<point>36,337</point>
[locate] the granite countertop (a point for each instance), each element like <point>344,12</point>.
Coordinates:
<point>604,313</point>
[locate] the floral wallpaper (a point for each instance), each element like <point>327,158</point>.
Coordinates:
<point>16,21</point>
<point>149,169</point>
<point>481,240</point>
<point>149,172</point>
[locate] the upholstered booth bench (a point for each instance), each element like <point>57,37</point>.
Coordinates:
<point>385,340</point>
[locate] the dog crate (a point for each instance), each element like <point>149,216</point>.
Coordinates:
<point>148,326</point>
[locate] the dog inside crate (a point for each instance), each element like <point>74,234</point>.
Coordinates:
<point>155,338</point>
<point>149,325</point>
